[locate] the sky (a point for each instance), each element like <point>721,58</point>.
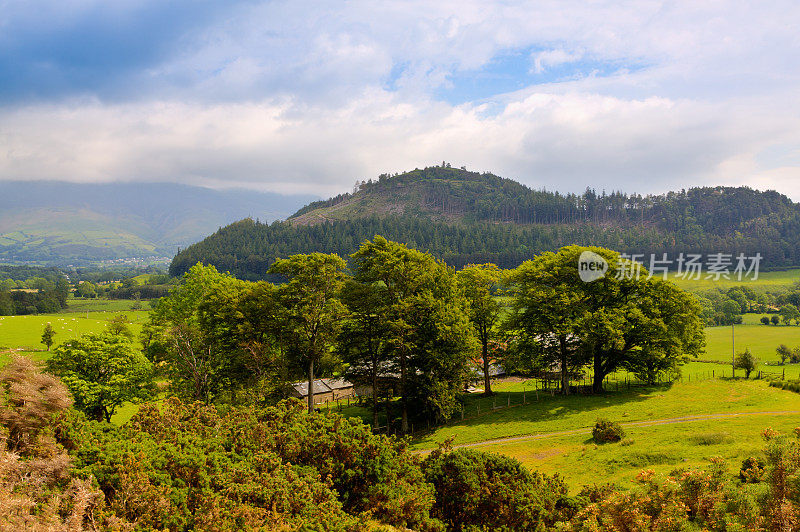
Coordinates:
<point>308,97</point>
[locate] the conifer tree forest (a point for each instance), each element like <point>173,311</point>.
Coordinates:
<point>466,217</point>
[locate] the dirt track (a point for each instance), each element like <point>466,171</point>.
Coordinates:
<point>648,423</point>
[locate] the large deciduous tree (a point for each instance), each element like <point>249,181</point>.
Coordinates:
<point>622,319</point>
<point>103,371</point>
<point>481,284</point>
<point>193,330</point>
<point>428,329</point>
<point>364,340</point>
<point>313,308</point>
<point>546,314</point>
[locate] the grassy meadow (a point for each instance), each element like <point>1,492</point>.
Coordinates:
<point>667,426</point>
<point>766,281</point>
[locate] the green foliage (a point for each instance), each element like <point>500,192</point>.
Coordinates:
<point>102,371</point>
<point>789,313</point>
<point>486,491</point>
<point>454,214</point>
<point>85,289</point>
<point>622,320</point>
<point>481,285</point>
<point>783,353</point>
<point>191,329</point>
<point>746,361</point>
<point>313,309</point>
<point>192,467</point>
<point>605,431</point>
<point>427,323</point>
<point>364,340</point>
<point>752,470</point>
<point>48,335</point>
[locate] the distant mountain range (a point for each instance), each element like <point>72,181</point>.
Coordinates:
<point>467,217</point>
<point>57,223</point>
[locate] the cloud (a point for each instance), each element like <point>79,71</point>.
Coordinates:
<point>542,61</point>
<point>559,141</point>
<point>309,96</point>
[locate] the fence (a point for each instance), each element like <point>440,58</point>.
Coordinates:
<point>538,389</point>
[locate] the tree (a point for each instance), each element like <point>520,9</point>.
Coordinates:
<point>775,319</point>
<point>481,285</point>
<point>364,339</point>
<point>765,320</point>
<point>48,334</point>
<point>784,353</point>
<point>192,328</point>
<point>263,333</point>
<point>313,308</point>
<point>119,325</point>
<point>85,289</point>
<point>429,332</point>
<point>622,319</point>
<point>546,314</point>
<point>102,372</point>
<point>746,361</point>
<point>788,313</point>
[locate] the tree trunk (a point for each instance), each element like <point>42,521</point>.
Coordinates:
<point>597,381</point>
<point>403,401</point>
<point>487,382</point>
<point>562,343</point>
<point>375,397</point>
<point>311,386</point>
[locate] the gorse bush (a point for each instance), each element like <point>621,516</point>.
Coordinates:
<point>486,491</point>
<point>752,470</point>
<point>605,431</point>
<point>192,467</point>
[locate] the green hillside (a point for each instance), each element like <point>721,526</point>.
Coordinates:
<point>66,223</point>
<point>469,217</point>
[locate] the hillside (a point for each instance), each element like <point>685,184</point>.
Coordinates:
<point>67,223</point>
<point>466,217</point>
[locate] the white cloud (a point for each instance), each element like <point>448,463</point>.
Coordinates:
<point>290,96</point>
<point>547,59</point>
<point>559,141</point>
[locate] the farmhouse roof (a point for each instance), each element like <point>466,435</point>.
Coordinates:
<point>337,384</point>
<point>319,387</point>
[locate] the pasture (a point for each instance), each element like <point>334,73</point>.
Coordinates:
<point>22,334</point>
<point>667,427</point>
<point>766,281</point>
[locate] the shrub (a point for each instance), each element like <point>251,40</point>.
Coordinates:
<point>192,467</point>
<point>747,362</point>
<point>752,470</point>
<point>605,431</point>
<point>485,491</point>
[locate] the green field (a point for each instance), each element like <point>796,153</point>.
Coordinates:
<point>657,446</point>
<point>766,281</point>
<point>22,334</point>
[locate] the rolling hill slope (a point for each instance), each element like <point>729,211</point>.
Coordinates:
<point>66,223</point>
<point>465,217</point>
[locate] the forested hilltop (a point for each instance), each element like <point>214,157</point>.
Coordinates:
<point>469,217</point>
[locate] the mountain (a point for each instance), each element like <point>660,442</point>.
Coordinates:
<point>67,223</point>
<point>466,217</point>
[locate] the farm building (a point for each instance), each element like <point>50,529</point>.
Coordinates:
<point>340,388</point>
<point>321,391</point>
<point>324,390</point>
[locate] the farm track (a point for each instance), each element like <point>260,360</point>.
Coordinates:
<point>588,430</point>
